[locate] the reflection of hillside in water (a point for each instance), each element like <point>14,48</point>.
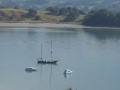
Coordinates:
<point>103,34</point>
<point>63,33</point>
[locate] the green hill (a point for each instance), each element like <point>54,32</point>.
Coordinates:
<point>16,15</point>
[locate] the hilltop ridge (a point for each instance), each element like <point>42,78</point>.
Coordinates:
<point>85,5</point>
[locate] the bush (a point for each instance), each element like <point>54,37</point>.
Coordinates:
<point>31,13</point>
<point>37,18</point>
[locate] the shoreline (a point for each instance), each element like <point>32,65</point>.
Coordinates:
<point>50,25</point>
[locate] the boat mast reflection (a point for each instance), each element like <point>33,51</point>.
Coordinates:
<point>49,76</point>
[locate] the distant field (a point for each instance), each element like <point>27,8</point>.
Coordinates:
<point>14,15</point>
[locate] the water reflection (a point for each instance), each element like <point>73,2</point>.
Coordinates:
<point>32,35</point>
<point>30,71</point>
<point>48,63</point>
<point>46,71</point>
<point>103,34</point>
<point>67,75</point>
<point>63,33</point>
<point>93,62</point>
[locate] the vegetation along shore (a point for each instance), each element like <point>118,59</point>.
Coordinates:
<point>68,15</point>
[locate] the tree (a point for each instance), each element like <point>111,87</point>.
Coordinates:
<point>92,12</point>
<point>63,11</point>
<point>71,13</point>
<point>53,10</point>
<point>16,7</point>
<point>118,15</point>
<point>31,13</point>
<point>37,17</point>
<point>102,18</point>
<point>72,16</point>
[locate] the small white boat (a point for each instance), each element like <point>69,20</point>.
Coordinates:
<point>67,71</point>
<point>30,69</point>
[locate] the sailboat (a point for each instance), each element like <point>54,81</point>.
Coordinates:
<point>47,61</point>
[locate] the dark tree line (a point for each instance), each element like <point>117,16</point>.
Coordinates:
<point>102,18</point>
<point>63,11</point>
<point>71,13</point>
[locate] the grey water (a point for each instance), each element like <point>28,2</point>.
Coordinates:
<point>92,54</point>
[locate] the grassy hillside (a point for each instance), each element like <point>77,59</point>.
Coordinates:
<point>9,14</point>
<point>15,15</point>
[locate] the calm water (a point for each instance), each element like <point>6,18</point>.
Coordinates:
<point>92,55</point>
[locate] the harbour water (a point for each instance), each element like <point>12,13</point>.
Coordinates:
<point>93,55</point>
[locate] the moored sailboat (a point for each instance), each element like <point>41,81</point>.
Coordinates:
<point>47,61</point>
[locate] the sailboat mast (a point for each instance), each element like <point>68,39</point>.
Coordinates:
<point>41,50</point>
<point>51,51</point>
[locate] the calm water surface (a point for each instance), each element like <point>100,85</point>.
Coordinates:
<point>93,55</point>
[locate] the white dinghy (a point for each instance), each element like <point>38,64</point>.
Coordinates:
<point>67,71</point>
<point>30,69</point>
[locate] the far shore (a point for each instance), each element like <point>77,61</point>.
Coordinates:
<point>49,25</point>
